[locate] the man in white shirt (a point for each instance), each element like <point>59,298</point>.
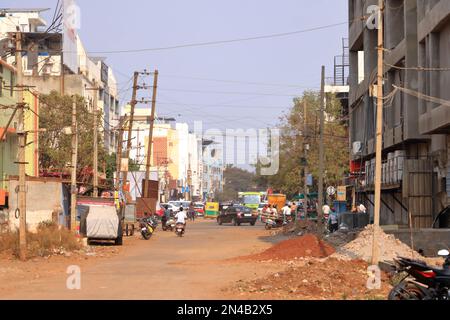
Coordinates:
<point>181,216</point>
<point>326,211</point>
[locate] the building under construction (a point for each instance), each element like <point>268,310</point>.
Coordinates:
<point>416,122</point>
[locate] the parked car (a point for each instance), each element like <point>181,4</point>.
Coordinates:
<point>237,215</point>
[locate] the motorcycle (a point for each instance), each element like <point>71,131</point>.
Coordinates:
<point>169,225</point>
<point>180,229</point>
<point>148,227</point>
<point>422,282</point>
<point>272,223</point>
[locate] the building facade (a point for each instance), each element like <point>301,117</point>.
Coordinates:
<point>9,143</point>
<point>46,69</point>
<point>416,140</point>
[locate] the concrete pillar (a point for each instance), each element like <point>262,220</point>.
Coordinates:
<point>410,106</point>
<point>370,52</point>
<point>394,26</point>
<point>353,74</point>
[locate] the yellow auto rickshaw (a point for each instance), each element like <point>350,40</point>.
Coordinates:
<point>211,210</point>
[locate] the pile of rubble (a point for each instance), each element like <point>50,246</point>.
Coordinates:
<point>361,247</point>
<point>329,279</point>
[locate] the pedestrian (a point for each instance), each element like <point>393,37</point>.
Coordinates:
<point>192,211</point>
<point>333,221</point>
<point>286,211</point>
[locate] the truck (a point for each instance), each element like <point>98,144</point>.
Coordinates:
<point>100,220</point>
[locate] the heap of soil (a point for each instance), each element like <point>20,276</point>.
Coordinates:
<point>306,246</point>
<point>331,279</point>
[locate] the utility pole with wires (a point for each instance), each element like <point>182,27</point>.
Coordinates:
<point>22,144</point>
<point>379,139</point>
<point>321,151</point>
<point>305,146</point>
<point>150,135</point>
<point>119,152</point>
<point>130,122</point>
<point>74,189</point>
<point>95,125</point>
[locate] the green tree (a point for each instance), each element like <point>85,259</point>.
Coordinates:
<point>55,147</point>
<point>290,177</point>
<point>236,180</point>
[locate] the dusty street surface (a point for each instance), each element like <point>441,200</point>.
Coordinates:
<point>166,267</point>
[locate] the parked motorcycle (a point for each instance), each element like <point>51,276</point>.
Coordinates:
<point>180,229</point>
<point>148,227</point>
<point>422,281</point>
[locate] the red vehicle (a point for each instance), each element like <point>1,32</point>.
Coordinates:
<point>199,209</point>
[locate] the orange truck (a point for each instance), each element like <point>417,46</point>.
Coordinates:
<point>278,200</point>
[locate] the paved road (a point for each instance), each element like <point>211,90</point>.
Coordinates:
<point>165,267</point>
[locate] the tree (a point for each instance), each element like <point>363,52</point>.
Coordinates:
<point>236,180</point>
<point>291,175</point>
<point>55,147</point>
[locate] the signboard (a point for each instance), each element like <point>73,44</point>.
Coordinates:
<point>341,194</point>
<point>71,23</point>
<point>309,180</point>
<point>331,191</point>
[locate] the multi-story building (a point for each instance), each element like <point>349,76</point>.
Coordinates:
<point>416,140</point>
<point>57,62</point>
<point>9,143</point>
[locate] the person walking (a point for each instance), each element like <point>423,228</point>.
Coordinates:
<point>333,222</point>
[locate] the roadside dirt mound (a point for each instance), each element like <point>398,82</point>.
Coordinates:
<point>361,247</point>
<point>306,246</point>
<point>331,279</point>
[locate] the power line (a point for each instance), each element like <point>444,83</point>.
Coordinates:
<point>209,43</point>
<point>230,93</point>
<point>417,68</point>
<point>236,81</point>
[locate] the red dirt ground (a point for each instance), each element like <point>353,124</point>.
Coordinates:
<point>306,246</point>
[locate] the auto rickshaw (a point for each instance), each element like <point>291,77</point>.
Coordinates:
<point>211,210</point>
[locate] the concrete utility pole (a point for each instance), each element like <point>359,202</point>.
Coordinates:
<point>379,139</point>
<point>150,134</point>
<point>130,122</point>
<point>321,150</point>
<point>95,164</point>
<point>305,145</point>
<point>22,143</point>
<point>74,189</point>
<point>119,152</point>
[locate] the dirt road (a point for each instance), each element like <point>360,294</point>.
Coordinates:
<point>166,267</point>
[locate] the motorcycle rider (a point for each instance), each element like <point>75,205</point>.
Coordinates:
<point>166,216</point>
<point>181,217</point>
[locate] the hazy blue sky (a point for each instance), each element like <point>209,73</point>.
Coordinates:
<point>292,60</point>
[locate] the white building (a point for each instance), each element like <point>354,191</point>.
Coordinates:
<point>43,65</point>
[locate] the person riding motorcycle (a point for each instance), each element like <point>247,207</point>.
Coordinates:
<point>181,216</point>
<point>166,216</point>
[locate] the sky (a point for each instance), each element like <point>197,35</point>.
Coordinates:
<point>291,63</point>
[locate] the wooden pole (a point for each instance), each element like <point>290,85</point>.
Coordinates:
<point>321,151</point>
<point>379,140</point>
<point>150,135</point>
<point>22,143</point>
<point>305,145</point>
